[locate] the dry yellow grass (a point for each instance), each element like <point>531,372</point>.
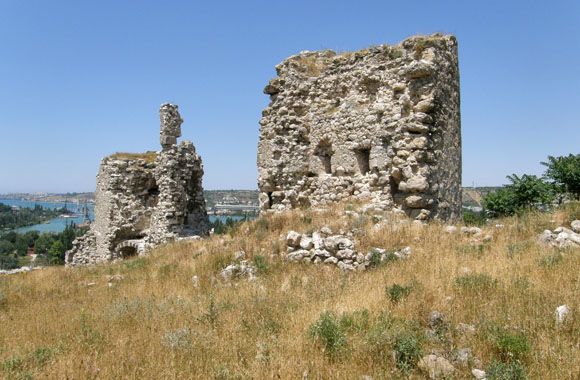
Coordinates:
<point>148,156</point>
<point>155,324</point>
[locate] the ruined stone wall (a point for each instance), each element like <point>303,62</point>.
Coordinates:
<point>143,200</point>
<point>380,125</point>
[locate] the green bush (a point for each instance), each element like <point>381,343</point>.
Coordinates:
<point>564,173</point>
<point>328,331</point>
<point>523,193</point>
<point>407,351</point>
<point>475,282</point>
<point>42,355</point>
<point>472,218</point>
<point>261,264</point>
<point>397,292</point>
<point>551,260</point>
<point>13,363</point>
<point>506,371</point>
<point>358,320</point>
<point>512,346</point>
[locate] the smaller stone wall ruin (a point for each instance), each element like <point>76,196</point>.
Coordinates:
<point>143,200</point>
<point>380,125</point>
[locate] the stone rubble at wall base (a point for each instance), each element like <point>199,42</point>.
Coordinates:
<point>325,247</point>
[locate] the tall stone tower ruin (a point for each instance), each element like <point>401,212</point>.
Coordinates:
<point>146,199</point>
<point>380,125</point>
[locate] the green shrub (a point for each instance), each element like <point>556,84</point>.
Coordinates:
<point>523,193</point>
<point>358,320</point>
<point>42,355</point>
<point>407,351</point>
<point>475,282</point>
<point>564,172</point>
<point>512,346</point>
<point>472,218</point>
<point>506,371</point>
<point>397,292</point>
<point>211,315</point>
<point>261,264</point>
<point>328,331</point>
<point>552,260</point>
<point>12,364</point>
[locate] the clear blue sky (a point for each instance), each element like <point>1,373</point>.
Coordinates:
<point>83,79</point>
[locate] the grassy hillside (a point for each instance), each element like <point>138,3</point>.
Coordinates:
<point>146,318</point>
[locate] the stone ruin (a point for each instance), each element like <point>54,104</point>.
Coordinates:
<point>143,200</point>
<point>380,125</point>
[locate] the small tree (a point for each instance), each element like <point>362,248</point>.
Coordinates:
<point>523,193</point>
<point>56,252</point>
<point>564,173</point>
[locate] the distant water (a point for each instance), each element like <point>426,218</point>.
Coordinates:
<point>56,224</point>
<point>59,224</point>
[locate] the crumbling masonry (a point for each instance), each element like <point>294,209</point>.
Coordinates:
<point>143,200</point>
<point>381,125</point>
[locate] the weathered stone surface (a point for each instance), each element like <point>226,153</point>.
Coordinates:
<point>380,125</point>
<point>576,226</point>
<point>436,367</point>
<point>338,250</point>
<point>562,313</point>
<point>478,374</point>
<point>143,200</point>
<point>561,237</point>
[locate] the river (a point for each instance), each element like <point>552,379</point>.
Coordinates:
<point>59,224</point>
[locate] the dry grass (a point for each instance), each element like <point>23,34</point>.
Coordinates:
<point>155,324</point>
<point>148,156</point>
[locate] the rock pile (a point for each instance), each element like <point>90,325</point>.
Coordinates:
<point>562,237</point>
<point>380,125</point>
<point>242,269</point>
<point>18,270</point>
<point>338,249</point>
<point>143,200</point>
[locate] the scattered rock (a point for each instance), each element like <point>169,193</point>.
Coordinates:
<point>436,367</point>
<point>115,278</point>
<point>562,313</point>
<point>19,270</point>
<point>240,255</point>
<point>293,239</point>
<point>478,374</point>
<point>195,281</point>
<point>466,329</point>
<point>324,247</point>
<point>561,237</point>
<point>436,320</point>
<point>463,356</point>
<point>471,230</point>
<point>404,253</point>
<point>243,269</point>
<point>451,229</point>
<point>576,226</point>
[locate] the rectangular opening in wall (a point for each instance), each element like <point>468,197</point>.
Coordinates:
<point>363,157</point>
<point>325,160</point>
<point>324,152</point>
<point>270,201</point>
